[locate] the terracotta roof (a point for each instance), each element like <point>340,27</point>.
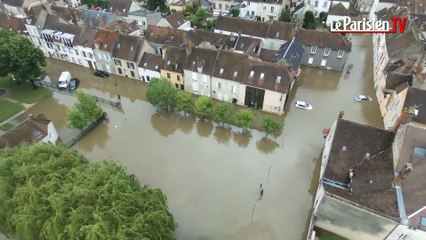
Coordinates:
<point>87,38</point>
<point>201,57</point>
<point>31,130</point>
<point>120,7</point>
<point>267,55</point>
<point>106,40</point>
<point>323,39</point>
<point>128,48</point>
<point>164,35</point>
<point>151,61</point>
<point>251,28</point>
<point>174,59</point>
<point>281,30</point>
<point>176,19</point>
<point>122,27</point>
<point>368,152</point>
<point>417,97</point>
<point>413,186</point>
<point>338,10</point>
<point>12,23</point>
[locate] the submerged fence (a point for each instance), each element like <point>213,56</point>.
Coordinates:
<point>86,130</point>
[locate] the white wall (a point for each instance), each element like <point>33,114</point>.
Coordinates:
<point>225,94</point>
<point>52,134</point>
<point>273,102</point>
<point>143,72</point>
<point>317,6</point>
<point>405,231</point>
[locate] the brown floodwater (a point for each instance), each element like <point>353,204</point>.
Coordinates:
<point>211,174</point>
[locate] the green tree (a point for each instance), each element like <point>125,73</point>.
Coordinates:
<point>154,4</point>
<point>19,57</point>
<point>244,118</point>
<point>270,125</point>
<point>52,192</point>
<point>235,12</point>
<point>184,101</point>
<point>309,21</point>
<point>284,16</point>
<point>95,3</point>
<point>161,93</point>
<point>189,11</point>
<point>203,106</point>
<point>199,19</point>
<point>223,112</point>
<point>85,111</point>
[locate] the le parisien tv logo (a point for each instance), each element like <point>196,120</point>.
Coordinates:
<point>347,25</point>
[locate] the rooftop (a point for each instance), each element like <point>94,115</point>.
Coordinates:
<point>164,35</point>
<point>367,151</point>
<point>417,97</point>
<point>174,59</point>
<point>338,10</point>
<point>151,61</point>
<point>120,7</point>
<point>12,23</point>
<point>176,19</point>
<point>32,130</point>
<point>395,79</point>
<point>106,39</point>
<point>292,52</point>
<point>323,39</point>
<point>127,48</point>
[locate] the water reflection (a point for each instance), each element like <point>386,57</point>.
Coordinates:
<point>242,138</point>
<point>164,123</point>
<point>185,124</point>
<point>102,137</point>
<point>222,134</point>
<point>266,145</point>
<point>319,80</point>
<point>204,127</point>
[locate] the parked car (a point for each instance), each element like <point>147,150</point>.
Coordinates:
<point>303,105</point>
<point>362,98</point>
<point>101,74</point>
<point>74,82</point>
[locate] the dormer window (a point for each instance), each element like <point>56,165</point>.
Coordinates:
<point>132,48</point>
<point>251,74</point>
<point>221,71</point>
<point>168,62</point>
<point>278,79</point>
<point>193,62</point>
<point>235,74</point>
<point>106,45</point>
<point>326,52</point>
<point>313,49</point>
<point>262,76</point>
<point>145,64</point>
<point>124,10</point>
<point>277,35</point>
<point>156,67</point>
<point>118,45</point>
<point>110,9</point>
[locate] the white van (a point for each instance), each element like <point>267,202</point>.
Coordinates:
<point>64,80</point>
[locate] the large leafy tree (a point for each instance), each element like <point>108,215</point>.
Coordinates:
<point>19,57</point>
<point>270,125</point>
<point>51,192</point>
<point>203,106</point>
<point>161,93</point>
<point>244,118</point>
<point>223,112</point>
<point>284,16</point>
<point>85,111</point>
<point>154,4</point>
<point>235,12</point>
<point>309,20</point>
<point>199,19</point>
<point>184,101</point>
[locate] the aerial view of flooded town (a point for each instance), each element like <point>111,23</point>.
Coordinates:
<point>213,119</point>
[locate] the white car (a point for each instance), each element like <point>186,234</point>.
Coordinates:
<point>362,98</point>
<point>303,105</point>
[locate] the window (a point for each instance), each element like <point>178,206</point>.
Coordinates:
<point>419,152</point>
<point>252,13</point>
<point>323,62</point>
<point>262,76</point>
<point>278,79</point>
<point>195,87</point>
<point>340,53</point>
<point>325,4</point>
<point>148,78</point>
<point>219,85</point>
<point>272,9</point>
<point>168,75</point>
<point>423,221</point>
<point>130,65</point>
<point>313,49</point>
<point>264,8</point>
<point>233,89</point>
<point>194,76</point>
<point>251,74</point>
<point>316,3</point>
<point>90,55</point>
<point>119,71</point>
<point>84,53</point>
<point>220,5</point>
<point>143,23</point>
<point>107,57</point>
<point>132,73</point>
<point>402,237</point>
<point>235,74</point>
<point>117,62</point>
<point>326,52</point>
<point>221,71</point>
<point>178,77</point>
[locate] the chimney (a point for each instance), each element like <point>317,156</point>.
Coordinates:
<point>189,47</point>
<point>408,167</point>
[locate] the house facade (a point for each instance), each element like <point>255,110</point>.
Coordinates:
<point>266,10</point>
<point>104,45</point>
<point>173,64</point>
<point>323,49</point>
<point>336,13</point>
<point>144,18</point>
<point>149,67</point>
<point>85,46</point>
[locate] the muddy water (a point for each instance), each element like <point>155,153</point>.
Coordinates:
<point>212,174</point>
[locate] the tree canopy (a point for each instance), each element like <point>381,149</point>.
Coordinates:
<point>244,118</point>
<point>223,112</point>
<point>161,93</point>
<point>154,4</point>
<point>270,125</point>
<point>199,19</point>
<point>19,57</point>
<point>235,12</point>
<point>284,16</point>
<point>184,101</point>
<point>309,21</point>
<point>51,192</point>
<point>85,111</point>
<point>203,106</point>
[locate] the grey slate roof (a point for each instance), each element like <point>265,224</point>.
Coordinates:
<point>292,52</point>
<point>395,79</point>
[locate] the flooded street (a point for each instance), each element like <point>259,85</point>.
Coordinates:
<point>211,175</point>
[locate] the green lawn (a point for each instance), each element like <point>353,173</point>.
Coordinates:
<point>329,236</point>
<point>23,92</point>
<point>8,109</point>
<point>7,126</point>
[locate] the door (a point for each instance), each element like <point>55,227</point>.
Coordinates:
<point>310,60</point>
<point>323,62</point>
<point>254,97</point>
